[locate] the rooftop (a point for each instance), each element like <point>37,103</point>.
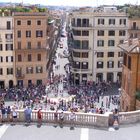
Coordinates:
<point>131,46</point>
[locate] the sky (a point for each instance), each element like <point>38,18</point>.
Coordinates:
<point>77,2</point>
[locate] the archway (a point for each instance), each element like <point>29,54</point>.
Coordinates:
<point>10,83</point>
<point>99,77</point>
<point>110,77</point>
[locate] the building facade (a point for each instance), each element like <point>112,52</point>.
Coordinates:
<point>134,27</point>
<point>7,78</point>
<point>130,74</point>
<point>96,34</point>
<point>30,42</point>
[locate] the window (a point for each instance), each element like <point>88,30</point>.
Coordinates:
<point>112,21</point>
<point>38,44</point>
<point>111,43</point>
<point>9,36</point>
<point>100,33</point>
<point>110,54</point>
<point>29,70</point>
<point>84,65</point>
<point>85,22</point>
<point>9,47</point>
<point>9,58</point>
<point>120,54</point>
<point>85,44</point>
<point>76,54</point>
<point>129,62</point>
<point>110,64</point>
<point>28,22</point>
<point>77,33</point>
<point>39,69</point>
<point>100,54</point>
<point>101,21</point>
<point>85,33</point>
<point>1,47</point>
<point>122,33</point>
<point>28,45</point>
<point>39,22</point>
<point>77,65</point>
<point>19,45</point>
<point>122,21</point>
<point>120,64</point>
<point>1,71</point>
<point>29,57</point>
<point>8,25</point>
<point>19,71</point>
<point>28,33</point>
<point>100,64</point>
<point>77,44</point>
<point>38,57</point>
<point>111,33</point>
<point>19,22</point>
<point>78,22</point>
<point>1,59</point>
<point>19,34</point>
<point>100,43</point>
<point>19,58</point>
<point>39,33</point>
<point>85,55</point>
<point>73,21</point>
<point>9,71</point>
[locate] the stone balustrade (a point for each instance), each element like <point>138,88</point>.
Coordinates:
<point>84,119</point>
<point>129,117</point>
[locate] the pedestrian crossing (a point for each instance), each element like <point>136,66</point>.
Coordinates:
<point>3,129</point>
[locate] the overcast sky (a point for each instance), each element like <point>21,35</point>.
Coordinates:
<point>77,2</point>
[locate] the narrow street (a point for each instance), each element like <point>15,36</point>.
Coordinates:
<point>60,60</point>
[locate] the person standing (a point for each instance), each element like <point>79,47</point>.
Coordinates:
<point>39,116</point>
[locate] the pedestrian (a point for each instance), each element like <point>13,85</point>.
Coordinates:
<point>56,116</point>
<point>3,112</point>
<point>39,116</point>
<point>14,115</point>
<point>8,113</point>
<point>72,119</point>
<point>61,119</point>
<point>28,112</point>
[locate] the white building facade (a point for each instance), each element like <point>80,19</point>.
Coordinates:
<point>6,52</point>
<point>96,35</point>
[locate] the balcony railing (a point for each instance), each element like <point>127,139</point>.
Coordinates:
<point>20,76</point>
<point>32,49</point>
<point>80,70</point>
<point>135,28</point>
<point>9,39</point>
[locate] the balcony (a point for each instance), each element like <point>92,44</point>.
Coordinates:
<point>90,26</point>
<point>81,49</point>
<point>20,76</point>
<point>135,28</point>
<point>9,40</point>
<point>76,70</point>
<point>40,49</point>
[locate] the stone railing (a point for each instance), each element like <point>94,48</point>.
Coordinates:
<point>129,117</point>
<point>83,119</point>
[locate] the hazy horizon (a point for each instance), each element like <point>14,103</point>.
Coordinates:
<point>75,2</point>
